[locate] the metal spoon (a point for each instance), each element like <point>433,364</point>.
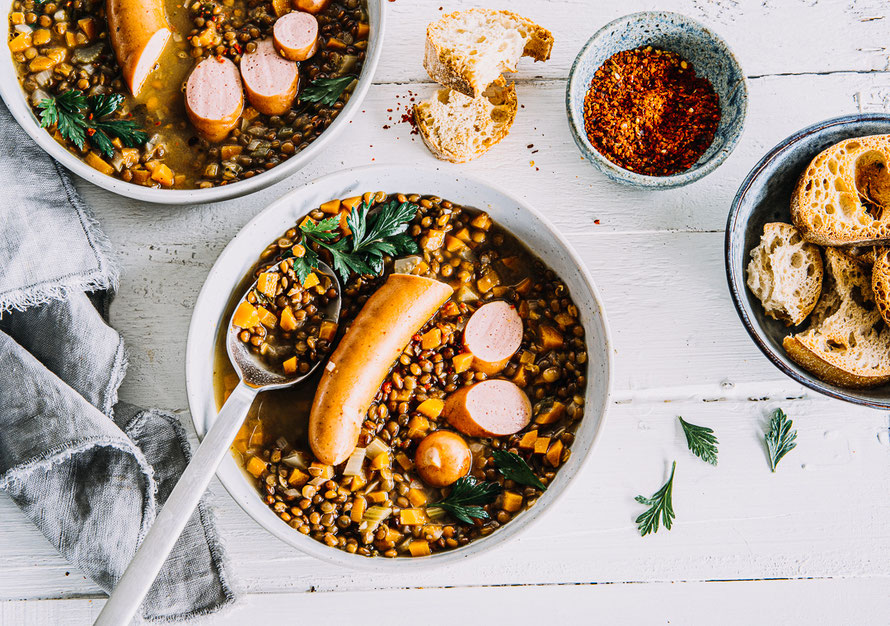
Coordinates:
<point>255,376</point>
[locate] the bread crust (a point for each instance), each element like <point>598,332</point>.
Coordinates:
<point>880,282</point>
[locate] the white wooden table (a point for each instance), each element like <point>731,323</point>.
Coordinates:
<point>809,544</point>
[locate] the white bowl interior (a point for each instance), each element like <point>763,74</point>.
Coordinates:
<point>521,220</point>
<point>14,97</point>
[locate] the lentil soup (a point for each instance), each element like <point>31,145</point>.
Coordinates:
<point>401,491</point>
<point>60,49</point>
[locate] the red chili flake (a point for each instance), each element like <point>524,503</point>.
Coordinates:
<point>596,221</point>
<point>648,112</point>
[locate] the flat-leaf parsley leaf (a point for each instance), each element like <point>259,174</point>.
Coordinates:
<point>660,508</point>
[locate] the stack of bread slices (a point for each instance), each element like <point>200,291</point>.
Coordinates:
<point>467,52</point>
<point>841,203</point>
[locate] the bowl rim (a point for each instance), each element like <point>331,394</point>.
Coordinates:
<point>478,546</point>
<point>626,176</point>
<point>735,276</point>
<point>13,95</point>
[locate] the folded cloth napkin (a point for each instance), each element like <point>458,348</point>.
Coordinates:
<point>87,470</point>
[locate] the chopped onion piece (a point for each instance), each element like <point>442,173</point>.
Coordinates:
<point>354,464</point>
<point>376,448</point>
<point>23,28</point>
<point>374,515</point>
<point>405,265</point>
<point>318,481</point>
<point>296,459</point>
<point>435,513</point>
<point>42,78</point>
<point>60,16</point>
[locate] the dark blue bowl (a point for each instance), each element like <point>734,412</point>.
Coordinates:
<point>765,196</point>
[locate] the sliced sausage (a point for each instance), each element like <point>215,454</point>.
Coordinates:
<point>360,364</point>
<point>311,6</point>
<point>493,335</point>
<point>296,35</point>
<point>139,32</point>
<point>442,457</point>
<point>214,98</point>
<point>491,408</point>
<point>270,80</point>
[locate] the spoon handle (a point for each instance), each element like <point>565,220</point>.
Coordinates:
<point>168,525</point>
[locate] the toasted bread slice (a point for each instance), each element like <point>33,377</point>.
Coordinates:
<point>843,197</point>
<point>861,254</point>
<point>785,273</point>
<point>880,282</point>
<point>458,128</point>
<point>468,50</point>
<point>847,342</point>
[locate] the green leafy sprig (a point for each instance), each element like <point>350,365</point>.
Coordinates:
<point>514,467</point>
<point>326,91</point>
<point>701,441</point>
<point>467,496</point>
<point>81,119</point>
<point>780,439</point>
<point>660,508</point>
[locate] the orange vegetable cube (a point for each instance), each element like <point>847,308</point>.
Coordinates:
<point>404,461</point>
<point>417,427</point>
<point>311,281</point>
<point>431,408</point>
<point>421,268</point>
<point>344,225</point>
<point>363,30</point>
<point>331,207</point>
<point>524,287</point>
<point>88,26</point>
<point>554,454</point>
<point>451,309</point>
<point>257,436</point>
<point>327,330</point>
<point>92,159</point>
<point>528,440</point>
<point>431,339</point>
<point>464,235</point>
<point>377,497</point>
<point>481,221</point>
<point>412,517</point>
<point>288,321</point>
<point>280,7</point>
<point>20,42</point>
<point>267,318</point>
<point>551,338</point>
<point>433,240</point>
<point>57,55</point>
<point>542,444</point>
<point>381,461</point>
<point>298,478</point>
<point>227,152</point>
<point>246,316</point>
<point>130,156</point>
<point>163,175</point>
<point>462,362</point>
<point>290,366</point>
<point>453,244</point>
<point>488,280</point>
<point>351,203</point>
<point>416,497</point>
<point>520,378</point>
<point>358,509</point>
<point>419,547</point>
<point>267,283</point>
<point>512,501</point>
<point>321,470</point>
<point>17,17</point>
<point>551,414</point>
<point>256,466</point>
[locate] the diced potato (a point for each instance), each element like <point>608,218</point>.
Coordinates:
<point>412,517</point>
<point>551,414</point>
<point>227,152</point>
<point>432,240</point>
<point>327,330</point>
<point>20,42</point>
<point>298,478</point>
<point>311,281</point>
<point>256,466</point>
<point>246,316</point>
<point>351,203</point>
<point>542,444</point>
<point>331,207</point>
<point>512,501</point>
<point>528,440</point>
<point>431,339</point>
<point>462,362</point>
<point>163,175</point>
<point>290,366</point>
<point>481,221</point>
<point>419,547</point>
<point>416,497</point>
<point>358,509</point>
<point>95,161</point>
<point>267,318</point>
<point>550,338</point>
<point>554,454</point>
<point>321,470</point>
<point>267,283</point>
<point>288,321</point>
<point>431,408</point>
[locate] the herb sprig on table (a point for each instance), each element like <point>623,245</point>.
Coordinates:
<point>79,119</point>
<point>362,252</point>
<point>325,91</point>
<point>780,439</point>
<point>514,467</point>
<point>660,508</point>
<point>701,441</point>
<point>467,497</point>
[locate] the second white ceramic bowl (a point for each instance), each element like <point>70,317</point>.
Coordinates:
<point>527,224</point>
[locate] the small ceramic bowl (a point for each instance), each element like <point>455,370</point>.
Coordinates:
<point>709,56</point>
<point>765,196</point>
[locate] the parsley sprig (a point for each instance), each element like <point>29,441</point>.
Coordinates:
<point>780,439</point>
<point>701,441</point>
<point>660,508</point>
<point>326,90</point>
<point>466,497</point>
<point>80,118</point>
<point>514,467</point>
<point>373,236</point>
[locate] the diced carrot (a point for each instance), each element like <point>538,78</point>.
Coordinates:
<point>481,221</point>
<point>351,203</point>
<point>57,55</point>
<point>88,26</point>
<point>432,532</point>
<point>331,207</point>
<point>16,18</point>
<point>542,444</point>
<point>520,378</point>
<point>421,268</point>
<point>130,156</point>
<point>140,176</point>
<point>358,509</point>
<point>554,454</point>
<point>20,42</point>
<point>227,152</point>
<point>290,366</point>
<point>419,547</point>
<point>381,461</point>
<point>280,7</point>
<point>550,337</point>
<point>524,287</point>
<point>70,39</point>
<point>451,309</point>
<point>267,283</point>
<point>431,339</point>
<point>433,240</point>
<point>564,320</point>
<point>256,466</point>
<point>327,330</point>
<point>257,435</point>
<point>335,44</point>
<point>246,316</point>
<point>431,407</point>
<point>528,440</point>
<point>297,478</point>
<point>404,461</point>
<point>267,318</point>
<point>513,262</point>
<point>512,501</point>
<point>321,470</point>
<point>412,517</point>
<point>417,427</point>
<point>488,280</point>
<point>163,175</point>
<point>416,497</point>
<point>362,30</point>
<point>358,482</point>
<point>551,414</point>
<point>344,226</point>
<point>453,244</point>
<point>527,357</point>
<point>311,281</point>
<point>288,321</point>
<point>464,235</point>
<point>377,497</point>
<point>462,362</point>
<point>95,161</point>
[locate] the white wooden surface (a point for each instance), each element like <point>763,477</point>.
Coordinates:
<point>808,544</point>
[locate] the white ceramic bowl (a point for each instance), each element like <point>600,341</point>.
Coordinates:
<point>527,224</point>
<point>14,97</point>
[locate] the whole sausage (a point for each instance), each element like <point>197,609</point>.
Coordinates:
<point>214,98</point>
<point>360,364</point>
<point>311,6</point>
<point>296,35</point>
<point>491,408</point>
<point>271,81</point>
<point>139,31</point>
<point>493,335</point>
<point>442,457</point>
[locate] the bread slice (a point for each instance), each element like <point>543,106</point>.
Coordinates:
<point>880,282</point>
<point>458,128</point>
<point>468,50</point>
<point>847,343</point>
<point>785,273</point>
<point>861,254</point>
<point>843,197</point>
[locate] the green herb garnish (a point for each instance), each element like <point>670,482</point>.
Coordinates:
<point>660,507</point>
<point>326,90</point>
<point>79,119</point>
<point>514,467</point>
<point>780,439</point>
<point>362,252</point>
<point>701,441</point>
<point>467,494</point>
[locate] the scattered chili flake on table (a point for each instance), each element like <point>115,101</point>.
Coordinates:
<point>648,112</point>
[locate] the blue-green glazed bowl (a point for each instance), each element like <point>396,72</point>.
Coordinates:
<point>709,56</point>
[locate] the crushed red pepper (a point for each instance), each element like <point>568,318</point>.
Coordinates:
<point>648,112</point>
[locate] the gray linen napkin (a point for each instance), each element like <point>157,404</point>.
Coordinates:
<point>87,470</point>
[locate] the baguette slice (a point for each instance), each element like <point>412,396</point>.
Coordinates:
<point>458,128</point>
<point>841,197</point>
<point>847,343</point>
<point>468,50</point>
<point>880,282</point>
<point>785,273</point>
